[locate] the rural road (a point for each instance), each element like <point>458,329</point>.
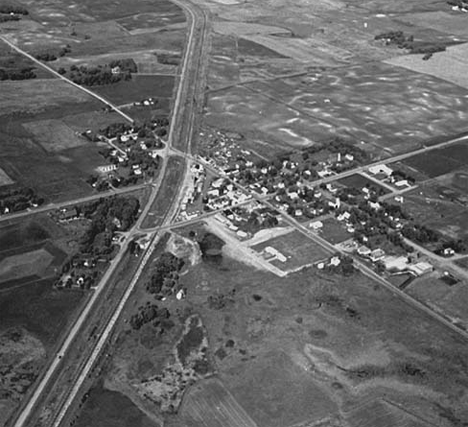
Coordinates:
<point>60,76</point>
<point>184,109</point>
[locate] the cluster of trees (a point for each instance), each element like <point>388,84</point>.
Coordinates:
<point>51,56</point>
<point>107,216</point>
<point>344,268</point>
<point>101,75</point>
<point>400,175</point>
<point>169,59</point>
<point>399,39</point>
<point>165,275</point>
<point>24,73</point>
<point>459,3</point>
<point>6,18</point>
<point>19,199</point>
<point>152,313</point>
<point>211,247</point>
<point>420,234</point>
<point>10,8</point>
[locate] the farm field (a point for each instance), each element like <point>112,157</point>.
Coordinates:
<point>210,404</point>
<point>297,248</point>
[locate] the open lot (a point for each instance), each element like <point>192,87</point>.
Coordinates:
<point>333,231</point>
<point>359,181</point>
<point>297,248</point>
<point>449,300</point>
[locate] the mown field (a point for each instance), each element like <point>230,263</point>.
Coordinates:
<point>299,249</point>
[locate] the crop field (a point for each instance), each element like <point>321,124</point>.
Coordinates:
<point>440,21</point>
<point>209,404</point>
<point>450,300</point>
<point>277,393</point>
<point>333,231</point>
<point>258,117</point>
<point>35,96</point>
<point>299,249</point>
<point>156,20</point>
<point>368,102</point>
<point>54,135</point>
<point>380,414</point>
<point>449,65</point>
<point>137,89</point>
<point>29,263</point>
<point>93,120</point>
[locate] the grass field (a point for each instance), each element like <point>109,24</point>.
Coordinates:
<point>5,179</point>
<point>359,181</point>
<point>35,96</point>
<point>435,163</point>
<point>54,135</point>
<point>31,263</point>
<point>299,249</point>
<point>209,404</point>
<point>137,89</point>
<point>450,300</point>
<point>333,231</point>
<point>276,393</point>
<point>155,20</point>
<point>105,408</point>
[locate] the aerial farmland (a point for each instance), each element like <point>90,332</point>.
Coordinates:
<point>233,213</point>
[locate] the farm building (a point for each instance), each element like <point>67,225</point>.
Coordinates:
<point>421,268</point>
<point>378,169</point>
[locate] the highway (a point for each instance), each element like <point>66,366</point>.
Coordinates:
<point>183,114</point>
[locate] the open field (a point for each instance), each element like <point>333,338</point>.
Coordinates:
<point>278,393</point>
<point>299,250</point>
<point>137,89</point>
<point>5,179</point>
<point>168,13</point>
<point>448,300</point>
<point>209,404</point>
<point>441,21</point>
<point>54,135</point>
<point>449,65</point>
<point>106,408</point>
<point>437,162</point>
<point>30,97</point>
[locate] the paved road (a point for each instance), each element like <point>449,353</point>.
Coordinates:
<point>59,205</point>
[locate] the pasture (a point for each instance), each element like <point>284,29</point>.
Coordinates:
<point>209,404</point>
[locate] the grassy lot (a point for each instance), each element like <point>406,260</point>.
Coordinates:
<point>299,249</point>
<point>105,408</point>
<point>435,163</point>
<point>333,231</point>
<point>39,308</point>
<point>359,181</point>
<point>137,89</point>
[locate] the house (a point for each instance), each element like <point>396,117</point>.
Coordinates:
<point>399,199</point>
<point>317,225</point>
<point>402,183</point>
<point>335,261</point>
<point>376,255</point>
<point>298,212</point>
<point>374,205</point>
<point>420,268</point>
<point>364,251</point>
<point>68,215</point>
<point>448,252</point>
<point>349,157</point>
<point>378,169</point>
<point>106,168</point>
<point>115,70</point>
<point>242,234</point>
